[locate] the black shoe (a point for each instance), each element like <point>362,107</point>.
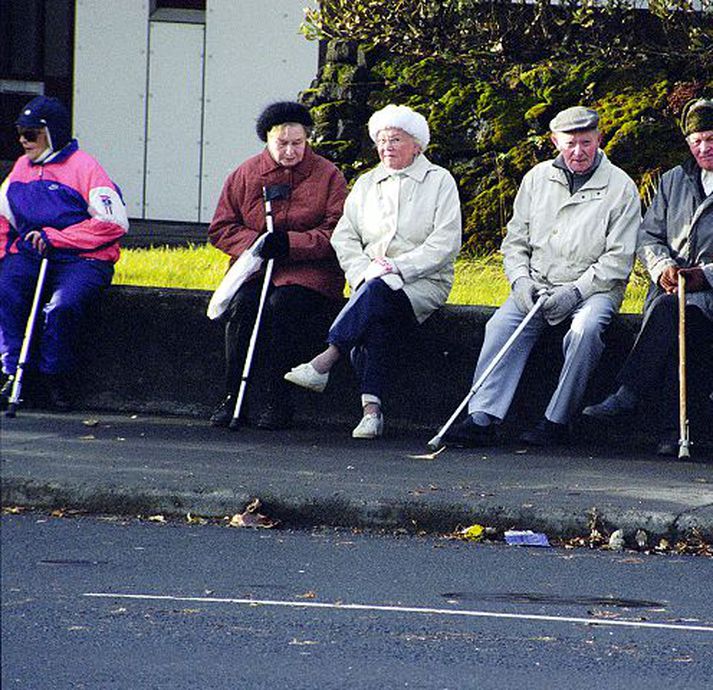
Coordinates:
<point>668,445</point>
<point>468,434</point>
<point>546,433</point>
<point>223,414</point>
<point>6,389</point>
<point>59,392</point>
<point>275,417</point>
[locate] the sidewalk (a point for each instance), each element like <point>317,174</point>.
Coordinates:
<point>143,465</point>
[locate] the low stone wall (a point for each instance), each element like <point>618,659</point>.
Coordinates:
<point>154,350</point>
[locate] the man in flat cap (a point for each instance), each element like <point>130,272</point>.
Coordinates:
<point>572,236</point>
<point>676,237</point>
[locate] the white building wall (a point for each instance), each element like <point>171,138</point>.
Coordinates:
<point>110,62</point>
<point>174,116</point>
<point>254,56</point>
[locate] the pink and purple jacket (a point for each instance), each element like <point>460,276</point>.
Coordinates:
<point>70,199</point>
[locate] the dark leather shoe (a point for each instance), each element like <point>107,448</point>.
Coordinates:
<point>468,434</point>
<point>59,392</point>
<point>223,414</point>
<point>668,445</point>
<point>546,433</point>
<point>6,389</point>
<point>275,417</point>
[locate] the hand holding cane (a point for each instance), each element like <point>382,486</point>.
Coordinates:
<point>437,440</point>
<point>16,391</point>
<point>684,441</point>
<point>268,194</point>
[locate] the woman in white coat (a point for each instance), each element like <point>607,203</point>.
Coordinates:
<point>396,242</point>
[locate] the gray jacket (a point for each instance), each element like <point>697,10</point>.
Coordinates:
<point>678,231</point>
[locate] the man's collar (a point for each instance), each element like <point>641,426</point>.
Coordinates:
<point>57,156</point>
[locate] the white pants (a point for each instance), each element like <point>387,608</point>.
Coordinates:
<point>582,346</point>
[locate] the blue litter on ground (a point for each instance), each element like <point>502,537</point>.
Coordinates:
<point>526,538</point>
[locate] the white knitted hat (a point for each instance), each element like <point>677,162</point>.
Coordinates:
<point>400,117</point>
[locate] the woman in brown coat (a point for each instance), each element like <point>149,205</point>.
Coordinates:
<point>306,277</point>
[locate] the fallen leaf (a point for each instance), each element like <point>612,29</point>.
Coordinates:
<point>195,520</point>
<point>91,422</point>
<point>307,595</point>
<point>12,510</point>
<point>616,540</point>
<point>473,533</point>
<point>251,518</point>
<point>157,518</point>
<point>597,613</point>
<point>57,513</point>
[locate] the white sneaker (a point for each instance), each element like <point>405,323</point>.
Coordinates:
<point>371,426</point>
<point>307,376</point>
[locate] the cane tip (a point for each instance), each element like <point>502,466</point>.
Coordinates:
<point>435,443</point>
<point>10,412</point>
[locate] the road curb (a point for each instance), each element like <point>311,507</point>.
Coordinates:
<point>386,513</point>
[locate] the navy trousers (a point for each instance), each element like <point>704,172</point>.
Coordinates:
<point>71,286</point>
<point>372,327</point>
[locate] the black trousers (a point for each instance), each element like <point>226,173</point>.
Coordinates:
<point>291,316</point>
<point>651,369</point>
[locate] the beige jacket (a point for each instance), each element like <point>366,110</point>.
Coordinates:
<point>424,241</point>
<point>587,238</point>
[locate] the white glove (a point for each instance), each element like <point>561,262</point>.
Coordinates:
<point>562,301</point>
<point>378,268</point>
<point>524,293</point>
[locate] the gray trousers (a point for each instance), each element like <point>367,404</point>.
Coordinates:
<point>582,347</point>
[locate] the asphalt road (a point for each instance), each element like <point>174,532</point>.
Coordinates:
<point>91,603</point>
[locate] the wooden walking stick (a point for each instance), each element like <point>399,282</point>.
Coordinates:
<point>684,441</point>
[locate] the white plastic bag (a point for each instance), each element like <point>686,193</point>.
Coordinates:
<point>248,264</point>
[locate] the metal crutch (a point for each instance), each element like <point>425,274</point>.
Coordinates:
<point>435,442</point>
<point>684,440</point>
<point>268,194</point>
<point>14,399</point>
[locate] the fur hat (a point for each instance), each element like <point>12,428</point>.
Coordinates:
<point>43,111</point>
<point>281,113</point>
<point>697,116</point>
<point>400,117</point>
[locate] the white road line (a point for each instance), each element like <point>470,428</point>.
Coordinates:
<point>405,609</point>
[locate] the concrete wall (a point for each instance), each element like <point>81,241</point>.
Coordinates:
<point>154,350</point>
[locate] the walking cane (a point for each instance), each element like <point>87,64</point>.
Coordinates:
<point>269,194</point>
<point>14,400</point>
<point>684,441</point>
<point>435,442</point>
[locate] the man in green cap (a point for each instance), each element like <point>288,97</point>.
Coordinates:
<point>676,237</point>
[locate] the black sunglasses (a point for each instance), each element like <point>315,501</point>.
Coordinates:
<point>30,134</point>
